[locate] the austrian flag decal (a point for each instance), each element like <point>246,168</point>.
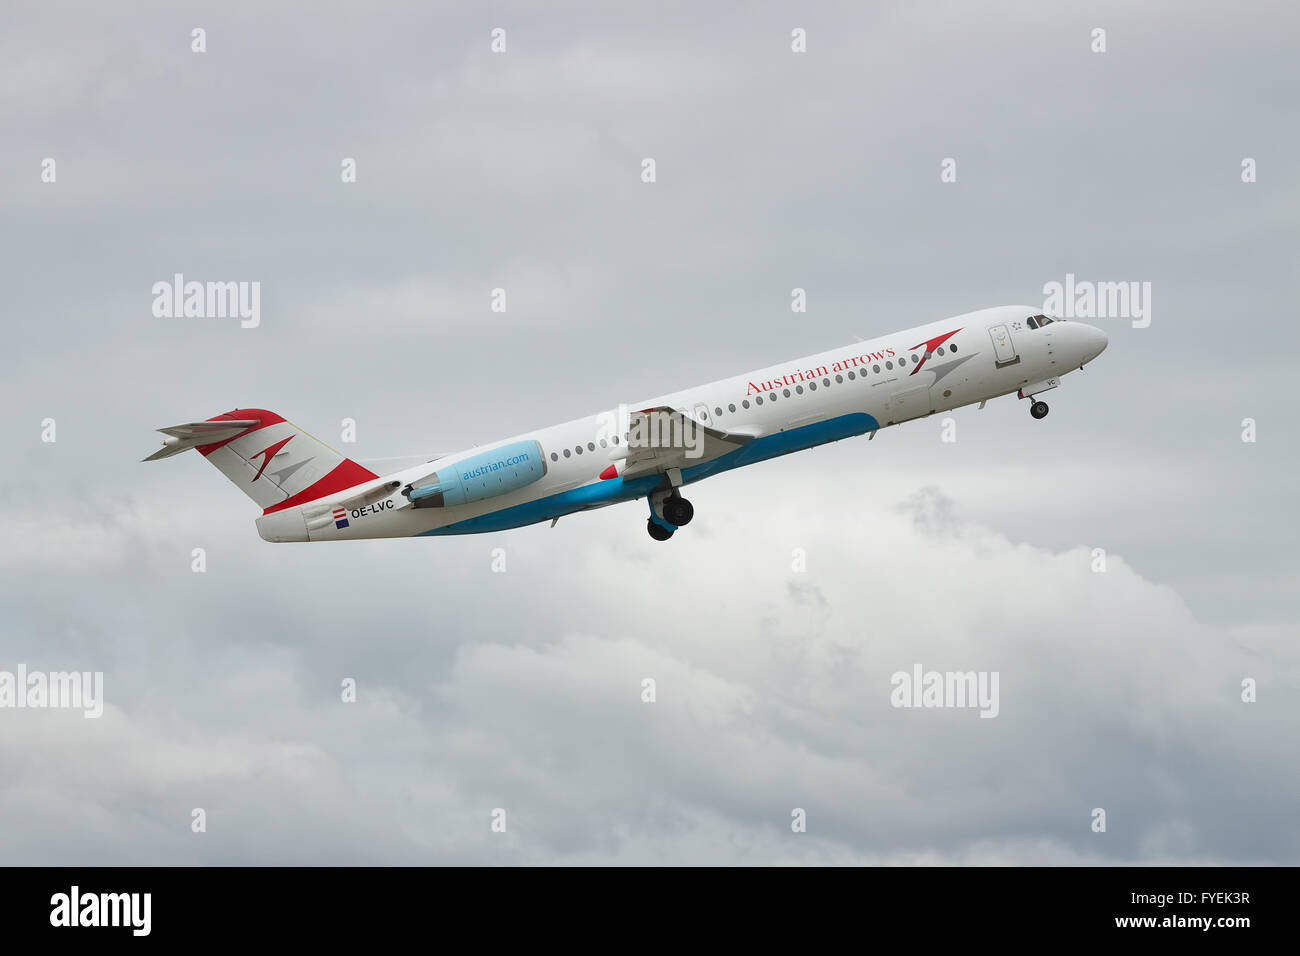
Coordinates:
<point>340,518</point>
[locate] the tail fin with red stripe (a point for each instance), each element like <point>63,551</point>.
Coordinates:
<point>272,460</point>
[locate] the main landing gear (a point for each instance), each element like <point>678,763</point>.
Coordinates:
<point>668,512</point>
<point>1038,409</point>
<point>678,511</point>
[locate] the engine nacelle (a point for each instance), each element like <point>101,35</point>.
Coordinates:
<point>507,468</point>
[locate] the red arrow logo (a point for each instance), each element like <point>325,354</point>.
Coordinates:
<point>269,453</point>
<point>931,345</point>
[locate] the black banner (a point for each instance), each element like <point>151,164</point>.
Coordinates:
<point>926,905</point>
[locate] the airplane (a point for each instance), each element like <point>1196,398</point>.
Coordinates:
<point>310,492</point>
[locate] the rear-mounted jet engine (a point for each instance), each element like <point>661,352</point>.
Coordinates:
<point>507,468</point>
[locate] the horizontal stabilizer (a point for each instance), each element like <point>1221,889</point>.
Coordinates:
<point>187,436</point>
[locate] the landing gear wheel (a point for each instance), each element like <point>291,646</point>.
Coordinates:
<point>1038,409</point>
<point>657,531</point>
<point>678,511</point>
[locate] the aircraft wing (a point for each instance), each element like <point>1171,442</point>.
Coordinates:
<point>661,438</point>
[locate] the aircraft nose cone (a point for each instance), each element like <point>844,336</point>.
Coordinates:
<point>1096,342</point>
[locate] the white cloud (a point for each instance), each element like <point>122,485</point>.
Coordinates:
<point>772,694</point>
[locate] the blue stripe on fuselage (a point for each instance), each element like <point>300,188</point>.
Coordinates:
<point>617,489</point>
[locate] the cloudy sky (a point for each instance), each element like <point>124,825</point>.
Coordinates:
<point>521,690</point>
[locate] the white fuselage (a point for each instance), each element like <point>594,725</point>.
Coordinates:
<point>846,391</point>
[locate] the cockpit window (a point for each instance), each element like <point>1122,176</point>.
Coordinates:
<point>1032,321</point>
<point>1043,320</point>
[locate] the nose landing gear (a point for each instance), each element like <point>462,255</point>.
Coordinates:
<point>1038,409</point>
